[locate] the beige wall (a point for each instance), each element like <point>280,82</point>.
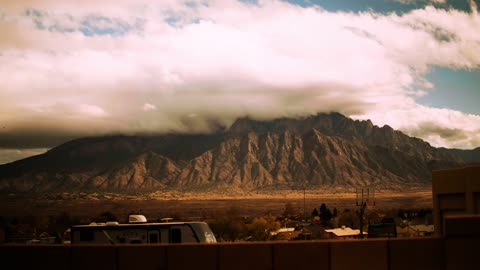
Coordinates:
<point>456,192</point>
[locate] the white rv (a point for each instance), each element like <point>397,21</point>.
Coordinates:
<point>139,231</point>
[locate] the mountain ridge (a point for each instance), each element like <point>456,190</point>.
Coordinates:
<point>325,150</point>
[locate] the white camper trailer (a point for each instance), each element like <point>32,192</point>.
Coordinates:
<point>139,231</point>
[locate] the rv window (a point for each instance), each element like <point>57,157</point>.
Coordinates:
<point>182,234</point>
<point>175,235</point>
<point>87,235</point>
<point>153,237</point>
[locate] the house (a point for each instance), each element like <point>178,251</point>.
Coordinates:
<point>44,238</point>
<point>287,236</point>
<point>344,233</point>
<point>421,230</point>
<point>282,230</point>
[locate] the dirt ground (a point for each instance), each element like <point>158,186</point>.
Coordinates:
<point>187,206</point>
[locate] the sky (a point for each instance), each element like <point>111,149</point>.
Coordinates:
<point>70,69</point>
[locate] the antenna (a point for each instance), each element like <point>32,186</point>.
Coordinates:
<point>365,196</point>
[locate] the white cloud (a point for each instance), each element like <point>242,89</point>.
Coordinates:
<point>149,107</point>
<point>91,110</point>
<point>226,59</point>
<point>440,127</point>
<point>423,1</point>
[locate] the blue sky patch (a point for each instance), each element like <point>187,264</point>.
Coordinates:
<point>89,26</point>
<point>380,6</point>
<point>454,89</point>
<point>99,25</point>
<point>253,2</point>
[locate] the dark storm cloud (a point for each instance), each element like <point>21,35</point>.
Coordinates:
<point>33,138</point>
<point>202,107</point>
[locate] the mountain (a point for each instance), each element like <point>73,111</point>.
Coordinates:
<point>325,150</point>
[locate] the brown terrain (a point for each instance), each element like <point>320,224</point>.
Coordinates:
<point>195,206</point>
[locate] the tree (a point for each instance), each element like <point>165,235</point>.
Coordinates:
<point>230,227</point>
<point>260,229</point>
<point>289,210</point>
<point>349,218</point>
<point>373,217</point>
<point>325,215</point>
<point>61,222</point>
<point>105,217</point>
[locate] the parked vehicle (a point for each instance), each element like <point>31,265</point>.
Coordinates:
<point>139,231</point>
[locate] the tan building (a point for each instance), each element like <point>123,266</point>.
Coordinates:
<point>456,192</point>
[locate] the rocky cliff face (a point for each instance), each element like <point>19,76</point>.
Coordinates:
<point>326,150</point>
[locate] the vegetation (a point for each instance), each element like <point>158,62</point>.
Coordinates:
<point>230,224</point>
<point>233,227</point>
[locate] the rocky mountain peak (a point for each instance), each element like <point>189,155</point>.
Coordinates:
<point>324,150</point>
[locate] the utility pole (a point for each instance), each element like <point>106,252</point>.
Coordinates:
<point>363,200</point>
<point>304,185</point>
<point>304,204</point>
<point>304,207</point>
<point>362,211</point>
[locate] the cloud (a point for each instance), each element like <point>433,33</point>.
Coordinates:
<point>92,68</point>
<point>91,110</point>
<point>433,129</point>
<point>9,155</point>
<point>421,1</point>
<point>149,107</point>
<point>440,127</point>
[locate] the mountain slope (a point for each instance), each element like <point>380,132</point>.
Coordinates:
<point>326,150</point>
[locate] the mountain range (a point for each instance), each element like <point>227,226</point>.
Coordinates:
<point>321,151</point>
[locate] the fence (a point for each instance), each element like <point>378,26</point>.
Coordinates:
<point>382,254</point>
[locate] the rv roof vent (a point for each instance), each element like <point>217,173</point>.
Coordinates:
<point>112,223</point>
<point>167,219</point>
<point>137,219</point>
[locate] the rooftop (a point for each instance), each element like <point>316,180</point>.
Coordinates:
<point>344,231</point>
